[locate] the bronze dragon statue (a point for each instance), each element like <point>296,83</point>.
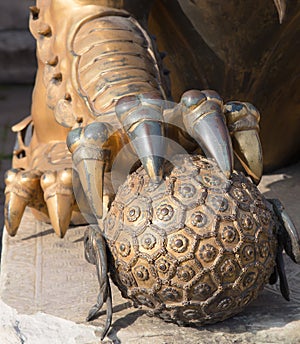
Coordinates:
<point>168,233</point>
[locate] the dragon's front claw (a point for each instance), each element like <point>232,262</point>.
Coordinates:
<point>22,189</point>
<point>90,157</point>
<point>204,120</point>
<point>141,117</point>
<point>59,197</point>
<point>243,120</point>
<point>95,253</point>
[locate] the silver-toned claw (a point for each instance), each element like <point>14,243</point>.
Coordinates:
<point>95,253</point>
<point>204,120</point>
<point>281,8</point>
<point>59,197</point>
<point>90,157</point>
<point>288,239</point>
<point>243,123</point>
<point>141,117</point>
<point>288,236</point>
<point>283,283</point>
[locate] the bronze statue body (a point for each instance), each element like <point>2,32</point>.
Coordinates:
<point>102,99</point>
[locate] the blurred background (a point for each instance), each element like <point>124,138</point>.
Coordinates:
<point>17,71</point>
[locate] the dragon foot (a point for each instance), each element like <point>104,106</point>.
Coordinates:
<point>49,194</point>
<point>223,129</point>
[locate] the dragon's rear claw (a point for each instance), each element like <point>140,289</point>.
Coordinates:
<point>204,120</point>
<point>22,189</point>
<point>59,197</point>
<point>49,194</point>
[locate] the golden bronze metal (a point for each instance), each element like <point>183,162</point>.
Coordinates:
<point>196,248</point>
<point>93,53</point>
<point>194,240</point>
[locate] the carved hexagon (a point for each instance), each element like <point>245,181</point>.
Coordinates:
<point>182,244</point>
<point>201,220</point>
<point>151,242</point>
<point>137,214</point>
<point>208,251</point>
<point>168,213</point>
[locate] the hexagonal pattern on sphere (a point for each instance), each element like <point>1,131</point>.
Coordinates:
<point>196,248</point>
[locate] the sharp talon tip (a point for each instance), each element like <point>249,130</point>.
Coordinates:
<point>14,210</point>
<point>60,211</point>
<point>154,167</point>
<point>204,120</point>
<point>247,148</point>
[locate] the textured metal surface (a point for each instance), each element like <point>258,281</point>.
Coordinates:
<point>195,248</point>
<point>269,319</point>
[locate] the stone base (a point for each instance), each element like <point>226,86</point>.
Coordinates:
<point>47,289</point>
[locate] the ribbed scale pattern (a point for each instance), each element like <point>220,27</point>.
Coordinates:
<point>116,59</point>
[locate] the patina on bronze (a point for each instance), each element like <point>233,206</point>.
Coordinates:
<point>193,251</point>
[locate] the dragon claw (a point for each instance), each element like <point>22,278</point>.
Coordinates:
<point>90,157</point>
<point>141,117</point>
<point>242,120</point>
<point>59,197</point>
<point>22,189</point>
<point>95,253</point>
<point>204,121</point>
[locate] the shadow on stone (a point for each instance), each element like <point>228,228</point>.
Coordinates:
<point>122,323</point>
<point>48,232</point>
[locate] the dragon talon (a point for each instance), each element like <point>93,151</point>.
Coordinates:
<point>284,287</point>
<point>22,189</point>
<point>281,9</point>
<point>243,122</point>
<point>142,119</point>
<point>90,158</point>
<point>204,121</point>
<point>95,253</point>
<point>288,236</point>
<point>59,197</point>
<point>13,211</point>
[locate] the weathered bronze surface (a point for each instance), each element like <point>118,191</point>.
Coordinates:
<point>196,248</point>
<point>91,57</point>
<point>195,243</point>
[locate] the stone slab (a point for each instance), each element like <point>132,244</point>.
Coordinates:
<point>41,274</point>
